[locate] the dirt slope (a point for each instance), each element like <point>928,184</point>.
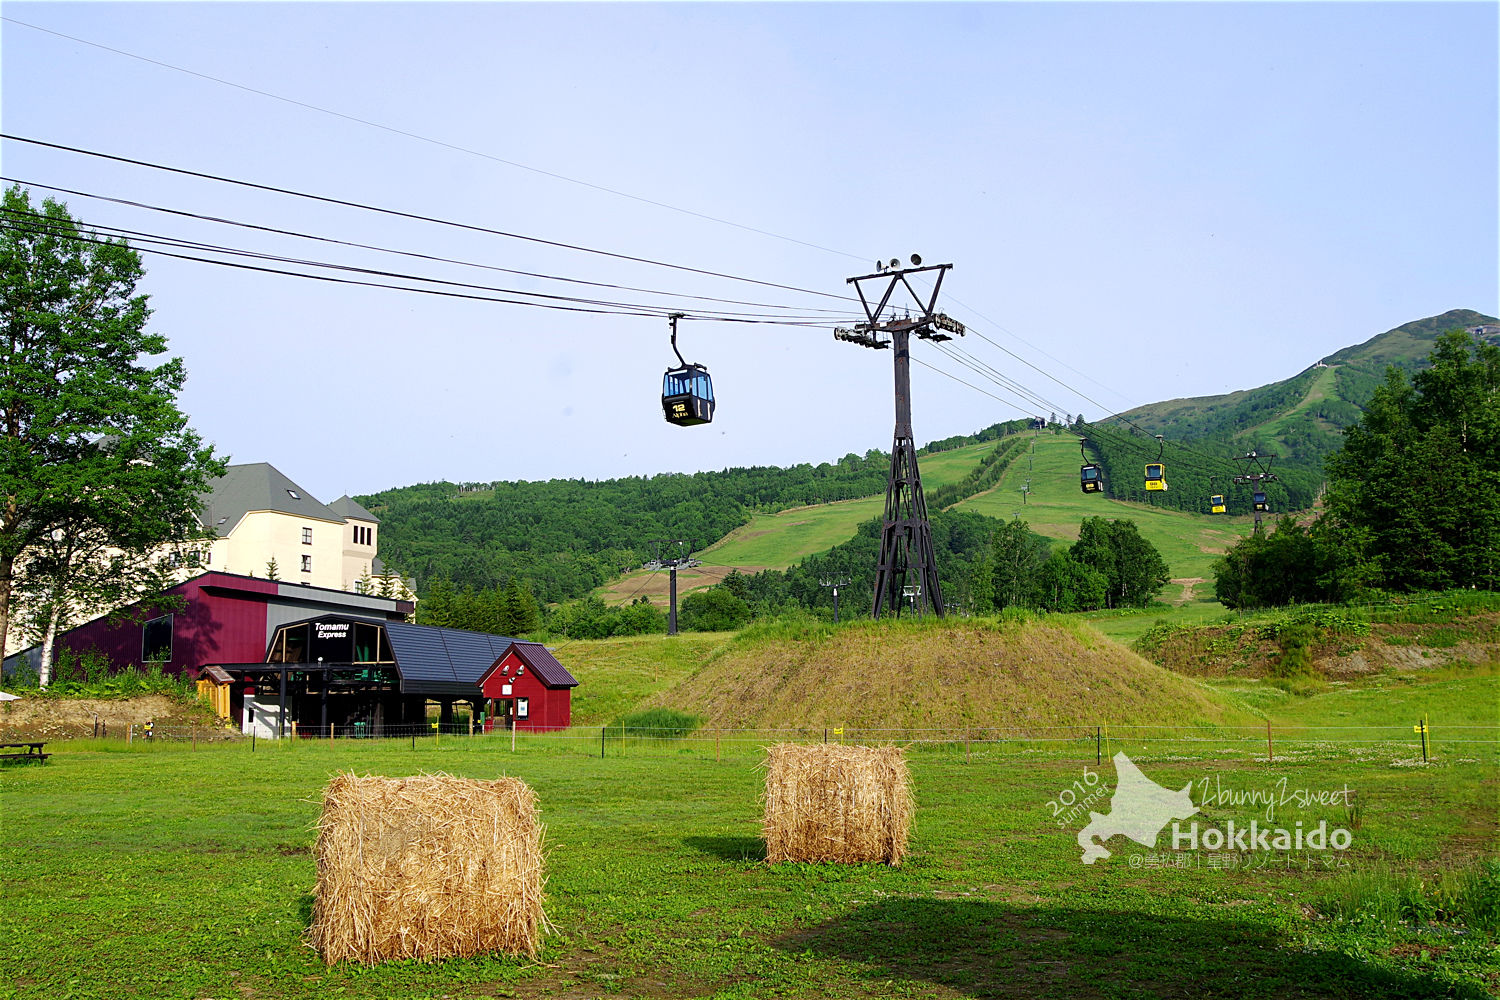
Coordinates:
<point>880,675</point>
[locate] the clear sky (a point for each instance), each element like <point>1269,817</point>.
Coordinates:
<point>1143,201</point>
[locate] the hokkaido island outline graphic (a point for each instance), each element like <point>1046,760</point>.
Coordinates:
<point>1139,809</point>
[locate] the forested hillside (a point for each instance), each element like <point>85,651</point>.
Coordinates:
<point>1301,420</point>
<point>564,537</point>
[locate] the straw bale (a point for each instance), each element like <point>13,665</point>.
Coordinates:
<point>428,867</point>
<point>826,802</point>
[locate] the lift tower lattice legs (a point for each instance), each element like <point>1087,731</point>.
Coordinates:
<point>906,537</point>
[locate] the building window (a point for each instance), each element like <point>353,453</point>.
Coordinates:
<point>363,535</point>
<point>156,640</point>
<point>293,494</point>
<point>306,536</point>
<point>307,564</point>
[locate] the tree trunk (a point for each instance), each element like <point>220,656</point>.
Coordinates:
<point>7,573</point>
<point>44,669</point>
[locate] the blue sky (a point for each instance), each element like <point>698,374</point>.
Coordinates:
<point>1143,201</point>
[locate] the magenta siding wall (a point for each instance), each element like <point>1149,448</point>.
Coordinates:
<point>217,626</point>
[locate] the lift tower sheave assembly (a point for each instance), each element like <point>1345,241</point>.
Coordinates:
<point>905,537</point>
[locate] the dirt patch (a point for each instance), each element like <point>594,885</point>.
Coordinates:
<point>74,718</point>
<point>1188,585</point>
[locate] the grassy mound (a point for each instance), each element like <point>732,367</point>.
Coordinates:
<point>914,675</point>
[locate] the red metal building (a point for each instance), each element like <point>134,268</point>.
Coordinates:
<point>527,687</point>
<point>221,618</point>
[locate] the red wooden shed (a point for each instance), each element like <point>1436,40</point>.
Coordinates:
<point>528,689</point>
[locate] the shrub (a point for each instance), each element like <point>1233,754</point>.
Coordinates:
<point>659,723</point>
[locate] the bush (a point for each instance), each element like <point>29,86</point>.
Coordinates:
<point>659,723</point>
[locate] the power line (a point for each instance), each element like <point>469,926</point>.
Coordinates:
<point>417,217</point>
<point>428,139</point>
<point>652,312</point>
<point>403,253</point>
<point>146,243</point>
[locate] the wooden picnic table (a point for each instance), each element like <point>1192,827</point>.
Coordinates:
<point>28,751</point>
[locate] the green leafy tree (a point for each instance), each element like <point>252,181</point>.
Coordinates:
<point>1132,566</point>
<point>1016,554</point>
<point>95,456</point>
<point>1064,584</point>
<point>713,610</point>
<point>1416,477</point>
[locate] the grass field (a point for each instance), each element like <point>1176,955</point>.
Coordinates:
<point>776,541</point>
<point>168,872</point>
<point>1055,506</point>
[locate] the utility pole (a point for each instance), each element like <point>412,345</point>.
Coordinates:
<point>1262,475</point>
<point>842,581</point>
<point>672,564</point>
<point>906,537</point>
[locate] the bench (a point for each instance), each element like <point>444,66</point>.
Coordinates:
<point>26,752</point>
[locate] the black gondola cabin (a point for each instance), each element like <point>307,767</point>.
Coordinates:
<point>1090,480</point>
<point>687,396</point>
<point>1261,503</point>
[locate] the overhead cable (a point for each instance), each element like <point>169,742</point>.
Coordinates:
<point>403,253</point>
<point>397,213</point>
<point>428,139</point>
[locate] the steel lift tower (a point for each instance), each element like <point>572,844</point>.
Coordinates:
<point>906,537</point>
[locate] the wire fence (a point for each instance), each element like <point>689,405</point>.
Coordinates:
<point>1083,742</point>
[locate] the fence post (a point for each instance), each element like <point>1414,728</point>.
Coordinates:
<point>967,759</point>
<point>512,739</point>
<point>825,734</point>
<point>1099,746</point>
<point>717,758</point>
<point>1269,754</point>
<point>130,733</point>
<point>601,742</point>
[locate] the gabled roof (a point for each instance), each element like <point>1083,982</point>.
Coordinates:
<point>347,507</point>
<point>542,663</point>
<point>443,661</point>
<point>257,486</point>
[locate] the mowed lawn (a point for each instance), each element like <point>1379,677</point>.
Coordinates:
<point>1055,507</point>
<point>165,871</point>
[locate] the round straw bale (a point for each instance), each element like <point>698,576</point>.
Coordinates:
<point>826,802</point>
<point>427,867</point>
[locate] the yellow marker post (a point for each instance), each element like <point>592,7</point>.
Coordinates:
<point>434,734</point>
<point>1421,727</point>
<point>838,731</point>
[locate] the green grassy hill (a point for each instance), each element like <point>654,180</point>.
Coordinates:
<point>1300,419</point>
<point>945,675</point>
<point>777,540</point>
<point>1055,506</point>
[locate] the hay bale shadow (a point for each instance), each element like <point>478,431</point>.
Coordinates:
<point>991,949</point>
<point>728,848</point>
